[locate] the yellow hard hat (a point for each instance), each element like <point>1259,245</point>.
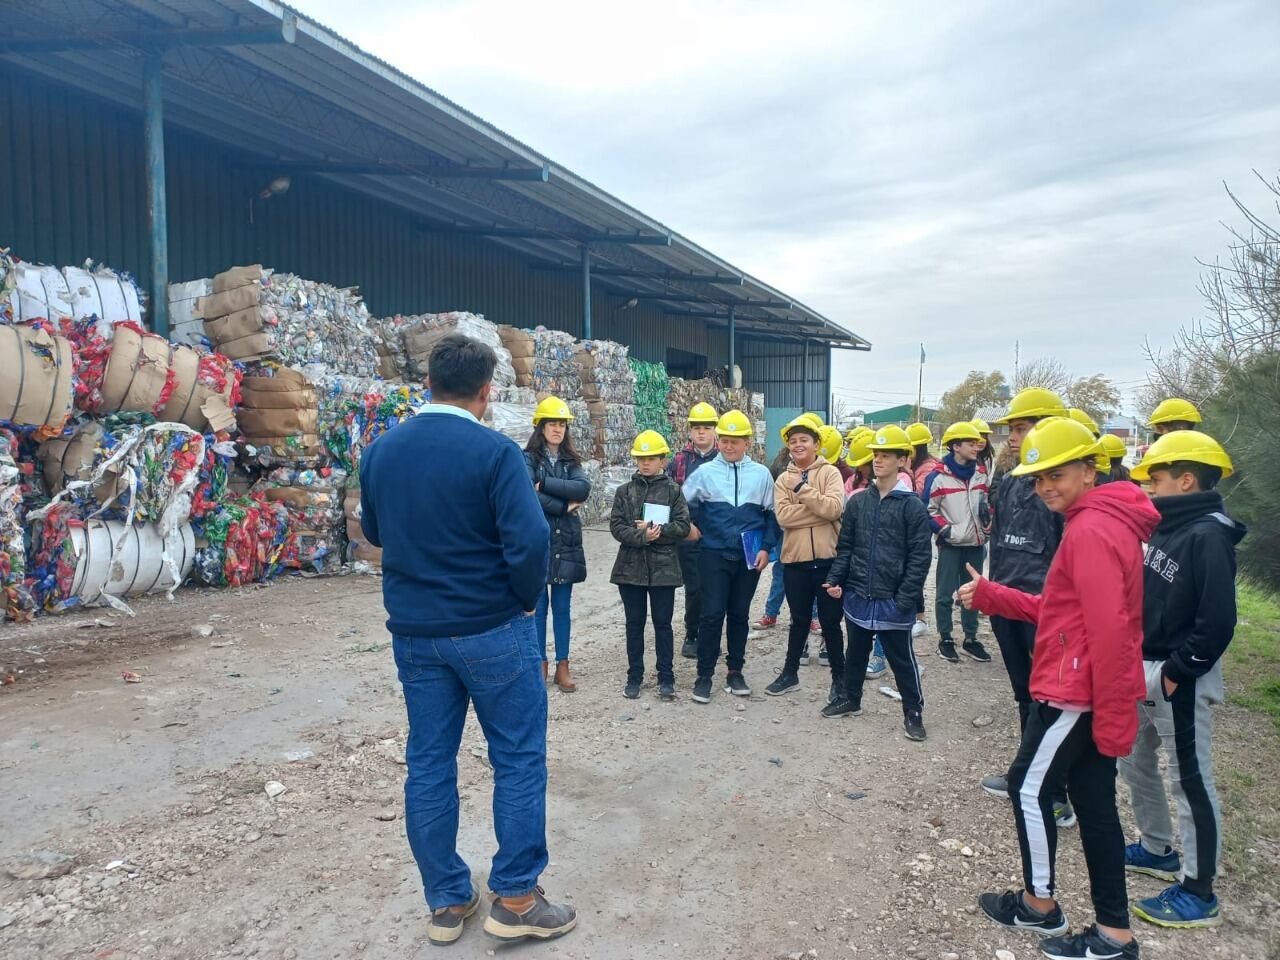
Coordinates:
<point>704,413</point>
<point>1183,445</point>
<point>650,443</point>
<point>918,433</point>
<point>814,417</point>
<point>1113,447</point>
<point>552,408</point>
<point>964,430</point>
<point>982,426</point>
<point>1173,410</point>
<point>859,453</point>
<point>1079,416</point>
<point>890,437</point>
<point>830,443</point>
<point>1034,403</point>
<point>734,423</point>
<point>810,420</point>
<point>1054,442</point>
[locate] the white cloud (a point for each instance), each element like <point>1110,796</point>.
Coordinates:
<point>960,174</point>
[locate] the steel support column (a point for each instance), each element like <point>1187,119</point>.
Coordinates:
<point>586,291</point>
<point>804,397</point>
<point>732,337</point>
<point>157,210</point>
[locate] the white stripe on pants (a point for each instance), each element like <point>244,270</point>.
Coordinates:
<point>1029,801</point>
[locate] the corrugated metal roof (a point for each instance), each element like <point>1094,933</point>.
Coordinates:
<point>321,98</point>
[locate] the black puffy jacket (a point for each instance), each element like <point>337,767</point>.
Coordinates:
<point>562,482</point>
<point>642,563</point>
<point>1024,534</point>
<point>884,551</point>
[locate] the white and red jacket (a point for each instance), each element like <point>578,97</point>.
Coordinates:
<point>1088,652</point>
<point>956,498</point>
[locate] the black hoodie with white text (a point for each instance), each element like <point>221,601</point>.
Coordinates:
<point>1189,584</point>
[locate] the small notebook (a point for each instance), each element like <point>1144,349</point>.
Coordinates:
<point>752,544</point>
<point>658,513</point>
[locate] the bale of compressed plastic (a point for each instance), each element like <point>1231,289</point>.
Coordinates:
<point>37,370</point>
<point>280,416</point>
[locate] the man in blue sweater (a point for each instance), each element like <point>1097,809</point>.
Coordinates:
<point>464,555</point>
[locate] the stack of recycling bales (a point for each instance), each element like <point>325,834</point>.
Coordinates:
<point>683,394</point>
<point>608,385</point>
<point>411,340</point>
<point>652,387</point>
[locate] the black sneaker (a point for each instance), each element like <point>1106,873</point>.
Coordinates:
<point>542,921</point>
<point>446,926</point>
<point>974,650</point>
<point>736,684</point>
<point>632,690</point>
<point>836,692</point>
<point>1009,910</point>
<point>804,656</point>
<point>843,707</point>
<point>785,683</point>
<point>823,659</point>
<point>947,651</point>
<point>689,650</point>
<point>913,724</point>
<point>1092,944</point>
<point>666,689</point>
<point>702,690</point>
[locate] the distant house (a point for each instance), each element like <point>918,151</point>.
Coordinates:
<point>999,431</point>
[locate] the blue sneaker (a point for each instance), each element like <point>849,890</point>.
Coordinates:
<point>1176,907</point>
<point>1138,859</point>
<point>876,667</point>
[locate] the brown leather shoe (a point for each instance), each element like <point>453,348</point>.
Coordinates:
<point>544,671</point>
<point>563,680</point>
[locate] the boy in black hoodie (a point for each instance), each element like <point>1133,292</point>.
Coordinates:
<point>1189,616</point>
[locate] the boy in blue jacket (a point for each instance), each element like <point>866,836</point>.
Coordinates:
<point>731,503</point>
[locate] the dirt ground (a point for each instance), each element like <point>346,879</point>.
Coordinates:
<point>750,829</point>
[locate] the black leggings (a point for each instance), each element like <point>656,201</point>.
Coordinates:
<point>803,584</point>
<point>1058,751</point>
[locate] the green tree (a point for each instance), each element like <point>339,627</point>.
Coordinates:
<point>1096,395</point>
<point>978,389</point>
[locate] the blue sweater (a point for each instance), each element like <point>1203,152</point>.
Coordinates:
<point>464,542</point>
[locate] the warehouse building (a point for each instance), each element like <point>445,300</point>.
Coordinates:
<point>174,139</point>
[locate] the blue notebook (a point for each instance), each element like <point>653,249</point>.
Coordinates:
<point>752,544</point>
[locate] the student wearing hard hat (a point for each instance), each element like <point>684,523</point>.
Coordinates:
<point>1114,450</point>
<point>882,559</point>
<point>955,495</point>
<point>555,470</point>
<point>1188,619</point>
<point>731,502</point>
<point>831,449</point>
<point>986,454</point>
<point>922,463</point>
<point>700,450</point>
<point>859,458</point>
<point>808,500</point>
<point>1086,682</point>
<point>1024,536</point>
<point>1173,415</point>
<point>1082,418</point>
<point>650,519</point>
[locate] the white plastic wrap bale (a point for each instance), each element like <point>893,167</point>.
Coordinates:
<point>31,291</point>
<point>185,326</point>
<point>255,313</point>
<point>418,335</point>
<point>555,370</point>
<point>114,560</point>
<point>511,412</point>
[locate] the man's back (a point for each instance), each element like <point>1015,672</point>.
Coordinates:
<point>464,541</point>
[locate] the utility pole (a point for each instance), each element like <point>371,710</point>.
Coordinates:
<point>920,388</point>
<point>1017,361</point>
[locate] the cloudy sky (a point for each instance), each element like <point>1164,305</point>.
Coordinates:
<point>959,174</point>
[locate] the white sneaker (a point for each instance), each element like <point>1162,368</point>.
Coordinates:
<point>919,629</point>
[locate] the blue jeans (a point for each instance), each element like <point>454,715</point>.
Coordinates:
<point>561,598</point>
<point>500,672</point>
<point>773,602</point>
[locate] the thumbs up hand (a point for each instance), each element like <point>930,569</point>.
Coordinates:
<point>967,590</point>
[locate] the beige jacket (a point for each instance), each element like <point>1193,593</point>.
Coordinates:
<point>810,517</point>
